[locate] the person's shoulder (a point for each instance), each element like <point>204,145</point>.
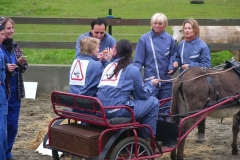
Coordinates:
<point>132,67</point>
<point>181,43</point>
<point>109,36</point>
<point>167,34</point>
<point>147,34</point>
<point>87,34</point>
<point>201,42</point>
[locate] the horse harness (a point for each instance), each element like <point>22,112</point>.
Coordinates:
<point>210,82</point>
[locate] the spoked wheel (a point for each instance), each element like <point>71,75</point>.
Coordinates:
<point>125,149</point>
<point>64,156</point>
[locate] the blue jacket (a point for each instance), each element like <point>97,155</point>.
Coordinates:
<point>3,90</point>
<point>87,85</point>
<point>107,41</point>
<point>196,53</point>
<point>157,64</point>
<point>127,85</point>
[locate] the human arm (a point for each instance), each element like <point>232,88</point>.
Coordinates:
<point>173,64</point>
<point>142,90</point>
<point>78,47</point>
<point>205,59</point>
<point>139,56</point>
<point>21,62</point>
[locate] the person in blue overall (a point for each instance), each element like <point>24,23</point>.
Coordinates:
<point>155,52</point>
<point>192,51</point>
<point>87,68</point>
<point>3,101</point>
<point>121,85</point>
<point>98,30</point>
<point>15,66</point>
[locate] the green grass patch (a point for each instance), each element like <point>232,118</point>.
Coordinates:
<point>136,9</point>
<point>220,57</point>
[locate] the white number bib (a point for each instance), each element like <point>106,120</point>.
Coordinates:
<point>78,72</point>
<point>108,71</point>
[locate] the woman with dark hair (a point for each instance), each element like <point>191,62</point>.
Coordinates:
<point>121,85</point>
<point>16,65</point>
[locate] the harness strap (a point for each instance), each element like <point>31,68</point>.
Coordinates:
<point>210,81</point>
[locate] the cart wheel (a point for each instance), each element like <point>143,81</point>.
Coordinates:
<point>125,149</point>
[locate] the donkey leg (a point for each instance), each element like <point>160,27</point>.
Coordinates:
<point>173,155</point>
<point>235,130</point>
<point>180,150</point>
<point>201,131</point>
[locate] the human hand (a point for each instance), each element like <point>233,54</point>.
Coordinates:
<point>108,54</point>
<point>114,50</point>
<point>155,81</point>
<point>11,67</point>
<point>22,60</point>
<point>185,66</point>
<point>175,64</point>
<point>170,71</point>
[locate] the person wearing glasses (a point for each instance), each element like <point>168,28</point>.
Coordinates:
<point>98,30</point>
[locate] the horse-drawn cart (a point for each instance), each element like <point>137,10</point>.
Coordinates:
<point>85,132</point>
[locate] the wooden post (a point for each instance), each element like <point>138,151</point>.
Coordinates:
<point>197,1</point>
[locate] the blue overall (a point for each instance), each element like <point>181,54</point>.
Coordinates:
<point>92,76</point>
<point>156,53</point>
<point>13,106</point>
<point>107,42</point>
<point>129,91</point>
<point>195,53</point>
<point>3,109</point>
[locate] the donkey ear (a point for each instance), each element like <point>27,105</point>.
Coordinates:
<point>1,19</point>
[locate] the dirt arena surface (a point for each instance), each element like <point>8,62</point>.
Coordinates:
<point>36,114</point>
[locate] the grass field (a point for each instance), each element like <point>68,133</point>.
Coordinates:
<point>99,8</point>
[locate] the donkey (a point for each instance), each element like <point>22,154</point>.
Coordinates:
<point>197,88</point>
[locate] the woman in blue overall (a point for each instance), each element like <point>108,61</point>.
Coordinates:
<point>155,51</point>
<point>15,66</point>
<point>3,102</point>
<point>192,51</point>
<point>121,85</point>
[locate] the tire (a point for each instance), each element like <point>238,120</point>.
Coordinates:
<point>125,149</point>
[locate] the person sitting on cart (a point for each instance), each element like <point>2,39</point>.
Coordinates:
<point>87,68</point>
<point>121,85</point>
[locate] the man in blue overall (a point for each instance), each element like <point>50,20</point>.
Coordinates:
<point>98,30</point>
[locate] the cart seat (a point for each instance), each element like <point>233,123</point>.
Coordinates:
<point>86,109</point>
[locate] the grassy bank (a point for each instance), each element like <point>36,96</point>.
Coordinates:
<point>96,8</point>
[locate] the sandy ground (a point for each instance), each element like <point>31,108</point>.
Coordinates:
<point>36,114</point>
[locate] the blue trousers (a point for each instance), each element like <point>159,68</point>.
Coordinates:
<point>146,111</point>
<point>165,109</point>
<point>12,121</point>
<point>3,124</point>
